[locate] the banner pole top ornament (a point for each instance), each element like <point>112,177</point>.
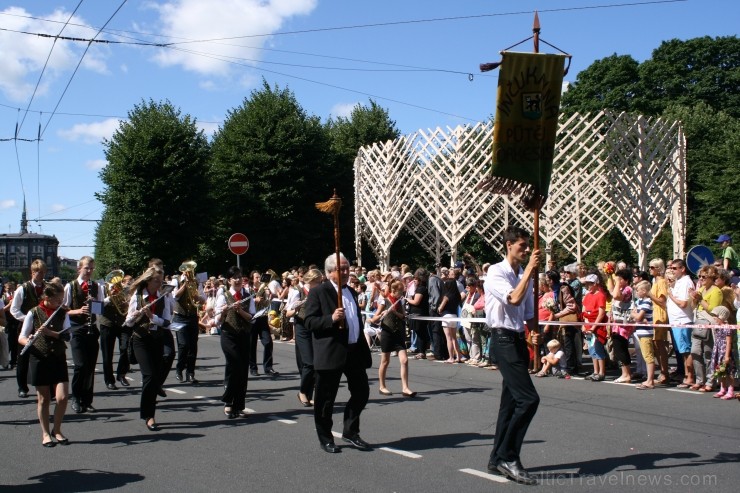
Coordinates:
<point>332,207</point>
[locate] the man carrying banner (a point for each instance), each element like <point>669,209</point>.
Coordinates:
<point>509,304</point>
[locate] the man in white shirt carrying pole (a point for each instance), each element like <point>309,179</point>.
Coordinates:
<point>509,304</point>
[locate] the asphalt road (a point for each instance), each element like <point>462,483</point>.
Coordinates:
<point>586,436</point>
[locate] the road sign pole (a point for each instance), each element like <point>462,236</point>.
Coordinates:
<point>237,262</point>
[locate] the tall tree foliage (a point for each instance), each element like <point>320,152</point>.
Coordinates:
<point>155,191</point>
<point>696,81</point>
<point>269,169</point>
<point>364,126</point>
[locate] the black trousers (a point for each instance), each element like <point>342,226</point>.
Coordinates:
<point>519,398</point>
<point>261,331</point>
<point>108,338</point>
<point>304,359</point>
<point>148,351</point>
<point>235,346</point>
<point>168,354</point>
<point>11,329</point>
<point>85,347</point>
<point>421,329</point>
<point>187,344</point>
<point>569,349</point>
<point>327,385</point>
<point>21,370</point>
<point>439,341</point>
<point>621,350</point>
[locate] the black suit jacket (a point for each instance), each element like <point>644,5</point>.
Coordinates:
<point>329,341</point>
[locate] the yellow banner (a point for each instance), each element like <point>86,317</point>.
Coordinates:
<point>527,108</point>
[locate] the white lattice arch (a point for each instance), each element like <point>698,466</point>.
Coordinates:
<point>610,170</point>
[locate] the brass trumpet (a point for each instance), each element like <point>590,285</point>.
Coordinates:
<point>191,298</point>
<point>117,292</point>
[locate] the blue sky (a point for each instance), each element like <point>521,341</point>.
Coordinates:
<point>332,54</point>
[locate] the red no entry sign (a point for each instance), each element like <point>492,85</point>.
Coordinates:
<point>238,244</point>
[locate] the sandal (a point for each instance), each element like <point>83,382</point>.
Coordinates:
<point>706,388</point>
<point>531,372</point>
<point>384,391</point>
<point>62,441</point>
<point>683,386</point>
<point>642,386</point>
<point>622,380</point>
<point>541,374</point>
<point>728,397</point>
<point>420,356</point>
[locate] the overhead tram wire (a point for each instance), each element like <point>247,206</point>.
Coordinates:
<point>326,84</point>
<point>138,41</point>
<point>46,63</point>
<point>78,66</point>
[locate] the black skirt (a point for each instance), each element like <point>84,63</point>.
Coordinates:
<point>392,341</point>
<point>47,371</point>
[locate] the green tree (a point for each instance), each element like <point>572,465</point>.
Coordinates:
<point>607,83</point>
<point>155,191</point>
<point>269,169</point>
<point>687,72</point>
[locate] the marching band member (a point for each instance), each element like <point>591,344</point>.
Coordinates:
<point>260,328</point>
<point>47,359</point>
<point>111,320</point>
<point>234,314</point>
<point>168,341</point>
<point>26,297</point>
<point>78,296</point>
<point>185,312</point>
<point>148,323</point>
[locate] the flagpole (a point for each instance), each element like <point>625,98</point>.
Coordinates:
<point>536,225</point>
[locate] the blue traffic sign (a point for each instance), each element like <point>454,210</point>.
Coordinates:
<point>698,257</point>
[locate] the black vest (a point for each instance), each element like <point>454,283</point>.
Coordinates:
<point>234,322</point>
<point>141,326</point>
<point>30,299</point>
<point>78,301</point>
<point>48,347</point>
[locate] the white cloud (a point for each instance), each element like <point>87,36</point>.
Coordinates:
<point>7,204</point>
<point>217,19</point>
<point>57,207</point>
<point>25,55</point>
<point>342,109</point>
<point>96,164</point>
<point>209,128</point>
<point>91,133</point>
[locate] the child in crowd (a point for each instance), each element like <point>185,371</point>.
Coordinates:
<point>552,360</point>
<point>642,313</point>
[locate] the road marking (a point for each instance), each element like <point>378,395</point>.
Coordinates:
<point>176,391</point>
<point>286,421</point>
<point>693,392</point>
<point>209,401</point>
<point>247,410</point>
<point>410,455</point>
<point>485,475</point>
<point>338,435</point>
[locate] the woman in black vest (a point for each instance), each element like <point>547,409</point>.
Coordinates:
<point>48,360</point>
<point>234,311</point>
<point>148,323</point>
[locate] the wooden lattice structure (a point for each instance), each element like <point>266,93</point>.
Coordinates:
<point>610,170</point>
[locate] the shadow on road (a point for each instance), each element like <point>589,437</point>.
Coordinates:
<point>76,480</point>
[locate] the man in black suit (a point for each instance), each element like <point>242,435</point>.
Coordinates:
<point>338,347</point>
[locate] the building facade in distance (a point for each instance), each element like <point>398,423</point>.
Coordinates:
<point>17,251</point>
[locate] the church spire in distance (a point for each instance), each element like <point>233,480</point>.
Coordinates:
<point>24,219</point>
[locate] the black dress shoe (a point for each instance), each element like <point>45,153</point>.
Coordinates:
<point>272,373</point>
<point>77,408</point>
<point>178,376</point>
<point>330,448</point>
<point>89,408</point>
<point>123,381</point>
<point>254,373</point>
<point>515,472</point>
<point>493,468</point>
<point>152,427</point>
<point>111,386</point>
<point>23,394</point>
<point>161,392</point>
<point>191,379</point>
<point>357,442</point>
